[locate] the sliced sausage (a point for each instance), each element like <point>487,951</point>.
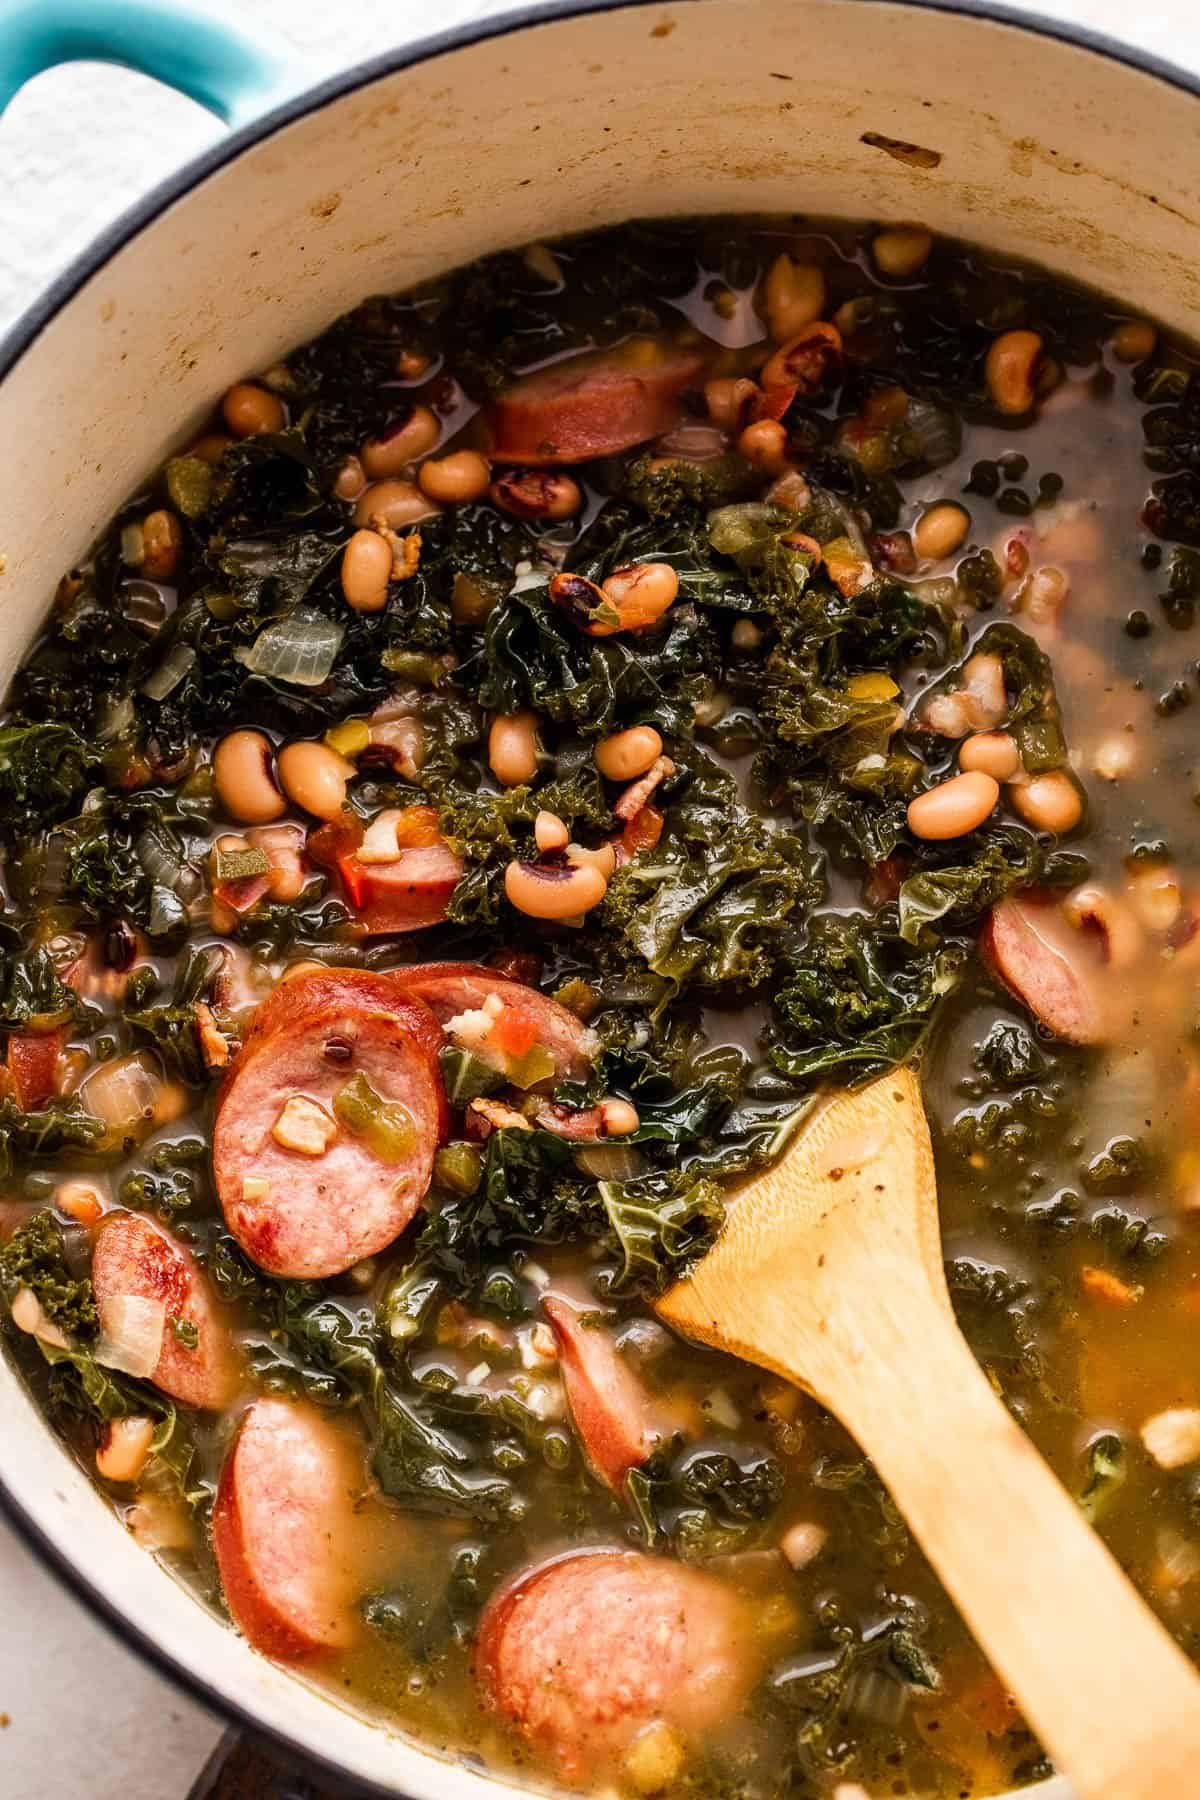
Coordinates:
<point>315,991</point>
<point>1033,952</point>
<point>592,405</point>
<point>280,1523</point>
<point>308,1193</point>
<point>407,894</point>
<point>526,1017</point>
<point>134,1259</point>
<point>609,1406</point>
<point>32,1064</point>
<point>582,1653</point>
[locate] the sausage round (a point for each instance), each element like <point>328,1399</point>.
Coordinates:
<point>317,990</point>
<point>320,1212</point>
<point>449,989</point>
<point>583,1652</point>
<point>134,1259</point>
<point>591,405</point>
<point>407,894</point>
<point>1027,945</point>
<point>609,1406</point>
<point>282,1515</point>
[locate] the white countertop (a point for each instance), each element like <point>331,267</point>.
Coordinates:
<point>84,1717</point>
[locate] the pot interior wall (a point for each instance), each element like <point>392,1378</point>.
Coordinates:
<point>835,106</point>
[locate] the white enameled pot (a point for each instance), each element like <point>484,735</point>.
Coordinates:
<point>1018,134</point>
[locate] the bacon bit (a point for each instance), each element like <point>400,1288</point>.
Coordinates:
<point>583,1125</point>
<point>849,572</point>
<point>213,1046</point>
<point>885,880</point>
<point>894,549</point>
<point>494,1115</point>
<point>304,1127</point>
<point>772,403</point>
<point>80,1201</point>
<point>638,792</point>
<point>524,966</point>
<point>1016,558</point>
<point>641,832</point>
<point>1109,1289</point>
<point>791,491</point>
<point>406,550</point>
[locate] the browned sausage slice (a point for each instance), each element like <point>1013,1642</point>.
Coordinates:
<point>280,1524</point>
<point>592,405</point>
<point>1036,956</point>
<point>325,1136</point>
<point>407,894</point>
<point>524,1015</point>
<point>609,1406</point>
<point>314,991</point>
<point>583,1652</point>
<point>134,1260</point>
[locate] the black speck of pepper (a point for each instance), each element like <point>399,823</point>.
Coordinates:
<point>1138,624</point>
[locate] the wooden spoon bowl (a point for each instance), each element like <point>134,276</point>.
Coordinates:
<point>829,1273</point>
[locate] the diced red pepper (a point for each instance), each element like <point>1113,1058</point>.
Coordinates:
<point>514,1033</point>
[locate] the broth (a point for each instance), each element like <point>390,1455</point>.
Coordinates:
<point>824,944</point>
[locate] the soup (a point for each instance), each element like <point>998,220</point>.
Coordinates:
<point>466,809</point>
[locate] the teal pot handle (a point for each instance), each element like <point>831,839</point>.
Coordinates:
<point>207,57</point>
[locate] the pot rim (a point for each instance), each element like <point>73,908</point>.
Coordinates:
<point>88,262</point>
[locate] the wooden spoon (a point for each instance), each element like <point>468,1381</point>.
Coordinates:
<point>829,1272</point>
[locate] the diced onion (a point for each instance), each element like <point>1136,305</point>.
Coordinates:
<point>300,649</point>
<point>478,1375</point>
<point>611,1162</point>
<point>380,844</point>
<point>532,579</point>
<point>124,1093</point>
<point>936,431</point>
<point>157,856</point>
<point>133,1335</point>
<point>169,673</point>
<point>722,1411</point>
<point>116,718</point>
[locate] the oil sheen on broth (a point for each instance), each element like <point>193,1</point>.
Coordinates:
<point>346,1297</point>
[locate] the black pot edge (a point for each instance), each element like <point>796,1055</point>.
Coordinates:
<point>90,261</point>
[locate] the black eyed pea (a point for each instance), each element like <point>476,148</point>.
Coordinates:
<point>549,832</point>
<point>554,890</point>
<point>351,480</point>
<point>410,436</point>
<point>366,571</point>
<point>513,747</point>
<point>1049,802</point>
<point>537,494</point>
<point>941,530</point>
<point>314,777</point>
<point>456,479</point>
<point>627,754</point>
<point>764,446</point>
<point>618,1117</point>
<point>603,857</point>
<point>1134,340</point>
<point>1011,371</point>
<point>391,505</point>
<point>901,250</point>
<point>641,594</point>
<point>728,399</point>
<point>244,782</point>
<point>954,807</point>
<point>249,410</point>
<point>162,545</point>
<point>793,295</point>
<point>124,1447</point>
<point>991,753</point>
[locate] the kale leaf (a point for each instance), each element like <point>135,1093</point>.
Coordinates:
<point>35,1258</point>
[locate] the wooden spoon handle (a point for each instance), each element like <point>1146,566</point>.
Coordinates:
<point>1110,1694</point>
